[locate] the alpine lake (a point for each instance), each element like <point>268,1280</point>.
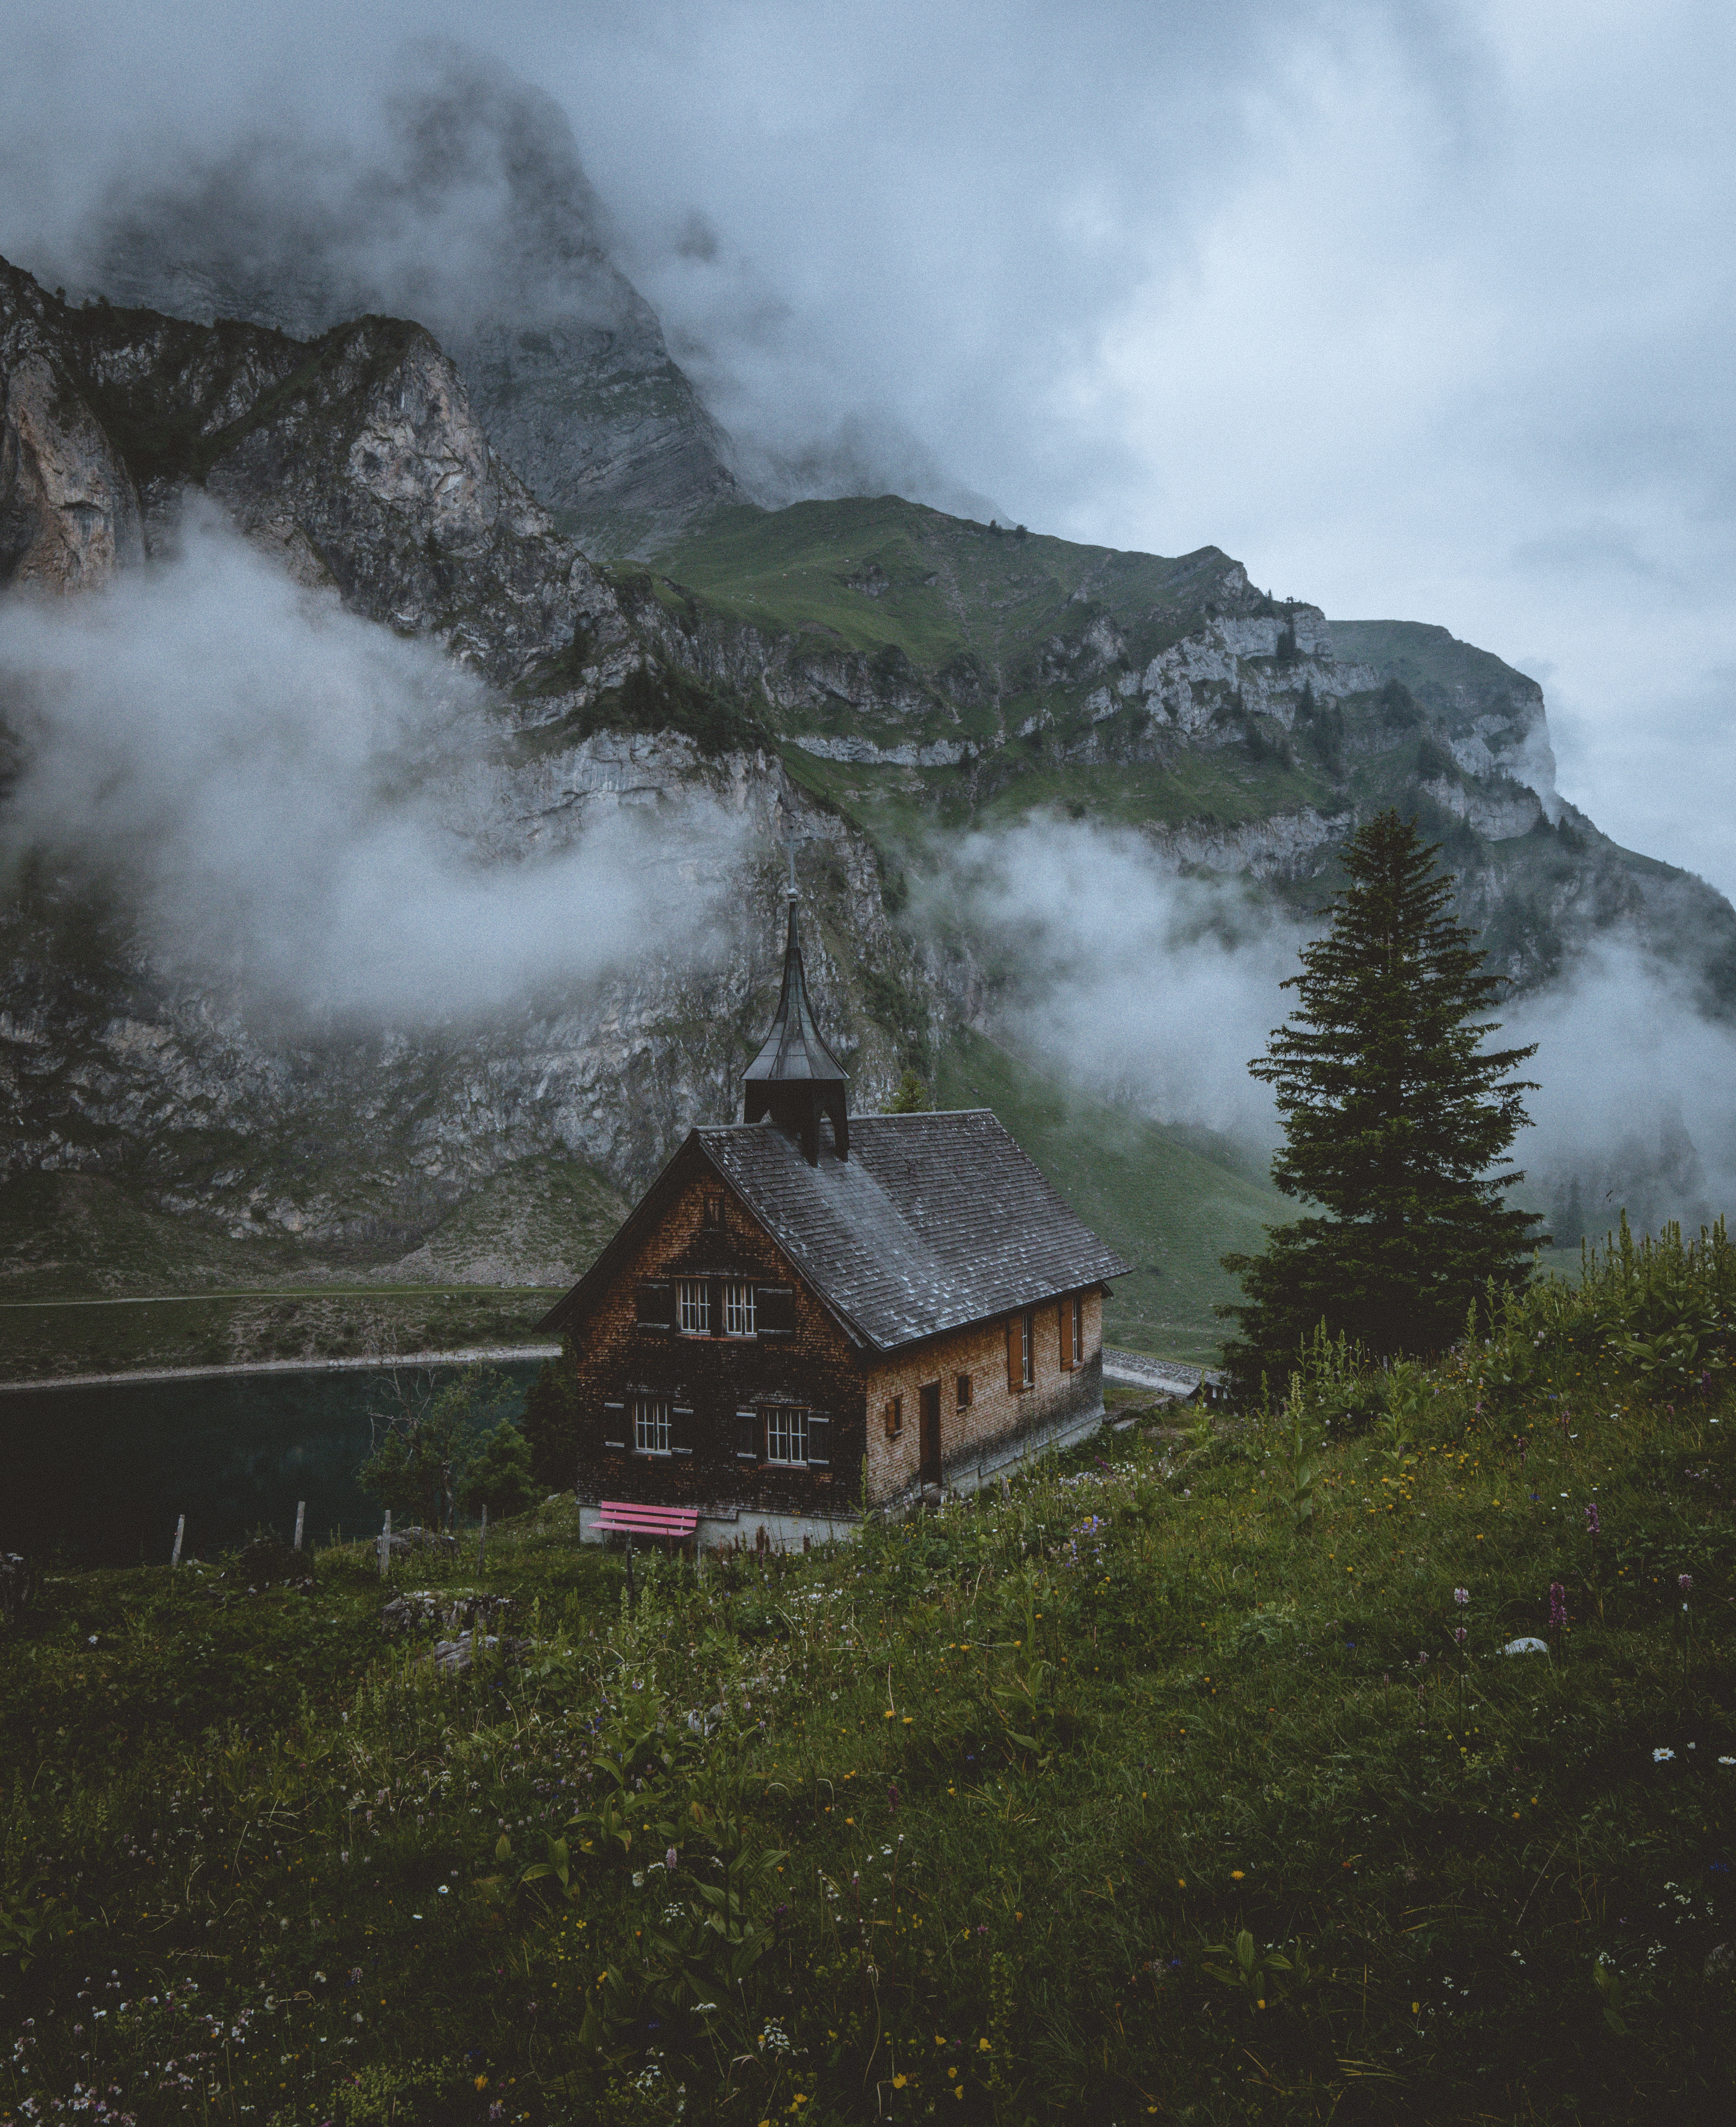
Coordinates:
<point>99,1473</point>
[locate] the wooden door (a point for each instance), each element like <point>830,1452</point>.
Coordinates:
<point>930,1471</point>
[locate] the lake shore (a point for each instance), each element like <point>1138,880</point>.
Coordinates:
<point>471,1355</point>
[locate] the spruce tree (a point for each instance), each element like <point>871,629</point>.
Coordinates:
<point>1395,1117</point>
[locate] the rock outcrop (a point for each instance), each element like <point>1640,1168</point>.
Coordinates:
<point>472,215</point>
<point>998,674</point>
<point>70,515</point>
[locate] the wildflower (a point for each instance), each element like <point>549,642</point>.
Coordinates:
<point>669,1860</point>
<point>1461,1636</point>
<point>1660,1757</point>
<point>1593,1524</point>
<point>1684,1581</point>
<point>1558,1606</point>
<point>1461,1596</point>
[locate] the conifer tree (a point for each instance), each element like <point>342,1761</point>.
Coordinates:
<point>1395,1117</point>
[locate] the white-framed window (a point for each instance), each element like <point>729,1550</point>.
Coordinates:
<point>650,1426</point>
<point>786,1435</point>
<point>694,1306</point>
<point>738,1308</point>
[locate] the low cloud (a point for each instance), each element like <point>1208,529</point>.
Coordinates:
<point>1154,990</point>
<point>1132,982</point>
<point>311,814</point>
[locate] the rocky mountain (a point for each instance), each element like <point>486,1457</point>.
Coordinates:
<point>871,678</point>
<point>471,212</point>
<point>922,668</point>
<point>356,461</point>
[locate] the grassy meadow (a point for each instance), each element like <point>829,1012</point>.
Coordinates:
<point>1185,1778</point>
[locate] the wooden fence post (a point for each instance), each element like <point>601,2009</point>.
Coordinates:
<point>301,1511</point>
<point>385,1544</point>
<point>180,1532</point>
<point>631,1596</point>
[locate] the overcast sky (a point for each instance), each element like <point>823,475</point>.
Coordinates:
<point>1420,310</point>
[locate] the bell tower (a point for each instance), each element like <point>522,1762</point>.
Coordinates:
<point>796,1079</point>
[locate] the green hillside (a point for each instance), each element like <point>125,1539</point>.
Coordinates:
<point>540,1221</point>
<point>1010,662</point>
<point>1169,1209</point>
<point>888,575</point>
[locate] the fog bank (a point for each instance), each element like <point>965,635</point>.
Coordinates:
<point>299,807</point>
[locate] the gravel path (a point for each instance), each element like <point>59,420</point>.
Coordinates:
<point>1170,1378</point>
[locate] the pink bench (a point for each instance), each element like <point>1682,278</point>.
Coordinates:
<point>627,1518</point>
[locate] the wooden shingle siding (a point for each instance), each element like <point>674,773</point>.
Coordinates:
<point>857,1270</point>
<point>999,1417</point>
<point>716,1385</point>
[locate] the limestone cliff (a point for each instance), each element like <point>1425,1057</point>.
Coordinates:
<point>871,677</point>
<point>473,215</point>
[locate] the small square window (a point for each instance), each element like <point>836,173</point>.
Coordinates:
<point>894,1418</point>
<point>964,1392</point>
<point>786,1435</point>
<point>651,1427</point>
<point>714,1213</point>
<point>694,1306</point>
<point>738,1308</point>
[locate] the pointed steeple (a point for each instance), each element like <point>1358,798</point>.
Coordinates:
<point>795,1079</point>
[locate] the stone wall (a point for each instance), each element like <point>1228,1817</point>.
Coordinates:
<point>1000,1423</point>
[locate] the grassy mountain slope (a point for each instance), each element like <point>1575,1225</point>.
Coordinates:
<point>928,672</point>
<point>1169,1207</point>
<point>539,1222</point>
<point>1446,1885</point>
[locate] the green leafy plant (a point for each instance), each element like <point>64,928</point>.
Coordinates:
<point>1262,1976</point>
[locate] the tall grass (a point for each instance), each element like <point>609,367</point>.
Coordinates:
<point>1132,1791</point>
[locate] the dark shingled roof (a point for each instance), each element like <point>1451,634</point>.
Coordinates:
<point>934,1220</point>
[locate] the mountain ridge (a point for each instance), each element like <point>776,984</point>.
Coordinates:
<point>877,677</point>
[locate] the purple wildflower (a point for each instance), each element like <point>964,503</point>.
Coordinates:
<point>1461,1636</point>
<point>1591,1521</point>
<point>1558,1606</point>
<point>1461,1596</point>
<point>1684,1581</point>
<point>671,1860</point>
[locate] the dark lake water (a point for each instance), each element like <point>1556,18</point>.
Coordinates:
<point>97,1476</point>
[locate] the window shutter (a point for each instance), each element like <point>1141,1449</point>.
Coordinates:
<point>775,1310</point>
<point>681,1429</point>
<point>1014,1352</point>
<point>656,1304</point>
<point>1067,1359</point>
<point>614,1425</point>
<point>747,1436</point>
<point>819,1440</point>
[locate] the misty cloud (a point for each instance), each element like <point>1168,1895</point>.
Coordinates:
<point>1422,310</point>
<point>1154,990</point>
<point>309,812</point>
<point>1135,984</point>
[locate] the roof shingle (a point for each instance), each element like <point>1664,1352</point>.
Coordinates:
<point>934,1220</point>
